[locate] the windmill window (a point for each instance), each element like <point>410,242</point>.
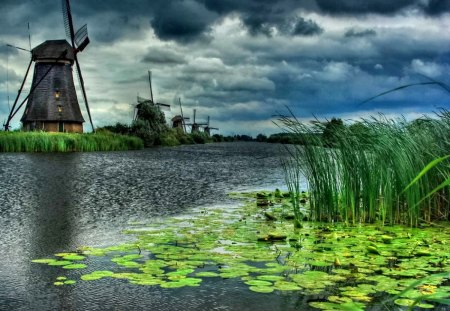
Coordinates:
<point>60,108</point>
<point>57,94</point>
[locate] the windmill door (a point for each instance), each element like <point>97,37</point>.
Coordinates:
<point>61,126</point>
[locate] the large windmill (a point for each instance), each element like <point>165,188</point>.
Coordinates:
<point>52,103</point>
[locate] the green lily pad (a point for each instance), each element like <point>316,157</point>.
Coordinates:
<point>207,274</point>
<point>75,266</point>
<point>60,263</point>
<point>70,282</point>
<point>262,289</point>
<point>73,257</point>
<point>44,260</point>
<point>258,283</point>
<point>58,283</point>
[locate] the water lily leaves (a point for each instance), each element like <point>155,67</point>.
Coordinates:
<point>404,302</point>
<point>316,259</point>
<point>207,274</point>
<point>96,275</point>
<point>70,282</point>
<point>272,278</point>
<point>286,286</point>
<point>61,278</point>
<point>60,263</point>
<point>262,289</point>
<point>73,257</point>
<point>194,282</point>
<point>58,283</point>
<point>329,306</point>
<point>75,266</point>
<point>44,260</point>
<point>258,283</point>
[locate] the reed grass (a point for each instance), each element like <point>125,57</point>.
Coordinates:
<point>366,175</point>
<point>66,142</point>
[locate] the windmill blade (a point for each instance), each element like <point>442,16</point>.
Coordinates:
<point>81,38</point>
<point>68,22</point>
<point>164,107</point>
<point>80,79</point>
<point>65,10</point>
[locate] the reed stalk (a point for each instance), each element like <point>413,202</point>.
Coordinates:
<point>362,177</point>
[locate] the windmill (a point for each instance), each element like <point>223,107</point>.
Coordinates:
<point>52,103</point>
<point>195,127</point>
<point>179,121</point>
<point>209,128</point>
<point>144,101</point>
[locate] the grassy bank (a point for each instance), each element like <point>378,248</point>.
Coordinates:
<point>66,142</point>
<point>362,174</point>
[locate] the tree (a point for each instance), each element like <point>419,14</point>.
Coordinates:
<point>331,131</point>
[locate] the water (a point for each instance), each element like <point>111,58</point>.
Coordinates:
<point>51,203</point>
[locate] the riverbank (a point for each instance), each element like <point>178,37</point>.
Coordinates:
<point>66,142</point>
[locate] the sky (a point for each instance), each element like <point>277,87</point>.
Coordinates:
<point>242,62</point>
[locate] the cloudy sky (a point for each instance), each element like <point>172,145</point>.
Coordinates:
<point>243,61</point>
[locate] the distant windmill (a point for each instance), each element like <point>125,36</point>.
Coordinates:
<point>144,101</point>
<point>209,128</point>
<point>179,121</point>
<point>195,127</point>
<point>52,103</point>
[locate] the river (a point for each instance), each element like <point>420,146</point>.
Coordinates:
<point>54,203</point>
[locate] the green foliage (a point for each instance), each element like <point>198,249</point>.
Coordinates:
<point>118,128</point>
<point>66,142</point>
<point>333,129</point>
<point>150,125</point>
<point>363,177</point>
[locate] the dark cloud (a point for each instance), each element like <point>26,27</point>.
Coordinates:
<point>183,20</point>
<point>360,33</point>
<point>305,27</point>
<point>435,7</point>
<point>367,6</point>
<point>163,55</point>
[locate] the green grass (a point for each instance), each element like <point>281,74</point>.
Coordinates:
<point>366,175</point>
<point>66,142</point>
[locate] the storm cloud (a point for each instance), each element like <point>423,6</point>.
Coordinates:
<point>240,62</point>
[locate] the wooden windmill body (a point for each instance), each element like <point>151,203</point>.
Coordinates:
<point>52,103</point>
<point>53,106</point>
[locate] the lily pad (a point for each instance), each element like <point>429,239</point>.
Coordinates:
<point>262,289</point>
<point>75,266</point>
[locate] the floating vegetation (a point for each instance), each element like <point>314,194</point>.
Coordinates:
<point>351,266</point>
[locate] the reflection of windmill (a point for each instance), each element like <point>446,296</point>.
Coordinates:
<point>209,128</point>
<point>144,101</point>
<point>52,103</point>
<point>179,121</point>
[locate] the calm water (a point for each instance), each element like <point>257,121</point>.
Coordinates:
<point>56,202</point>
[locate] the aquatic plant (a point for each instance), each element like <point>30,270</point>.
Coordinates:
<point>66,142</point>
<point>362,177</point>
<point>331,265</point>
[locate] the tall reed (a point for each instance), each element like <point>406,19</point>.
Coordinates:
<point>66,142</point>
<point>363,176</point>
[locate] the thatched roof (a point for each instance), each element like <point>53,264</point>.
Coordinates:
<point>44,105</point>
<point>53,49</point>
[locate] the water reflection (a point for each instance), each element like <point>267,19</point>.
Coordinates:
<point>57,202</point>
